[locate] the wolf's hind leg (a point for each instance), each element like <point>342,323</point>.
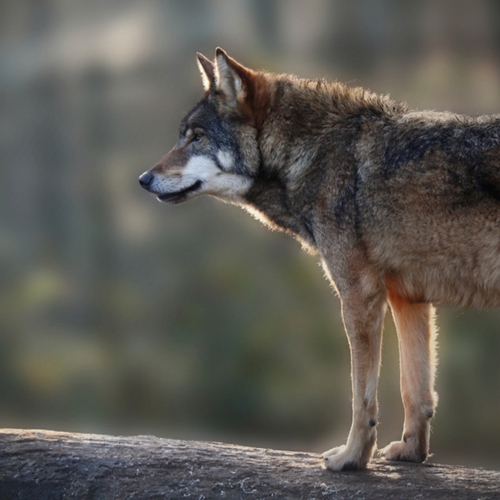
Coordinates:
<point>416,336</point>
<point>363,315</point>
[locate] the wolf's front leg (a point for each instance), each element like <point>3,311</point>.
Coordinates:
<point>416,335</point>
<point>363,311</point>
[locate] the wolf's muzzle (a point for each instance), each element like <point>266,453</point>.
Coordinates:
<point>145,179</point>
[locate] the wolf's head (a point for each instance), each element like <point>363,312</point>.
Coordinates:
<point>217,151</point>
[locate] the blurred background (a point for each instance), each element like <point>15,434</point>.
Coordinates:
<point>122,315</point>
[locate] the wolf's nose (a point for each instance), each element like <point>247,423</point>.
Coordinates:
<point>145,179</point>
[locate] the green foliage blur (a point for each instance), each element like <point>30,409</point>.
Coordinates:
<point>122,315</point>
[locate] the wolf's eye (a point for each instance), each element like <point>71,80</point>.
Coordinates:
<point>196,135</point>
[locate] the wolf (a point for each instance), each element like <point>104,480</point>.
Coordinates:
<point>402,207</point>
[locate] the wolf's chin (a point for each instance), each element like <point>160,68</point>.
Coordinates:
<point>180,196</point>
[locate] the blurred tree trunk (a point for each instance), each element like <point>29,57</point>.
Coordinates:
<point>52,465</point>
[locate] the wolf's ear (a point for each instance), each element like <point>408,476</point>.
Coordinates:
<point>241,90</point>
<point>207,70</point>
<point>231,78</point>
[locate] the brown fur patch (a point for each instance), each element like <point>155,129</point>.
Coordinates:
<point>258,101</point>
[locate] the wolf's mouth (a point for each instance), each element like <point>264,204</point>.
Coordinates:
<point>178,196</point>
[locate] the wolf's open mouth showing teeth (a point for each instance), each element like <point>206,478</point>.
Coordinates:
<point>179,196</point>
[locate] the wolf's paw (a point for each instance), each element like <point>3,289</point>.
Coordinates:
<point>341,458</point>
<point>404,451</point>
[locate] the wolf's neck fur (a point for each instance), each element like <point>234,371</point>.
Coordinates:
<point>303,115</point>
